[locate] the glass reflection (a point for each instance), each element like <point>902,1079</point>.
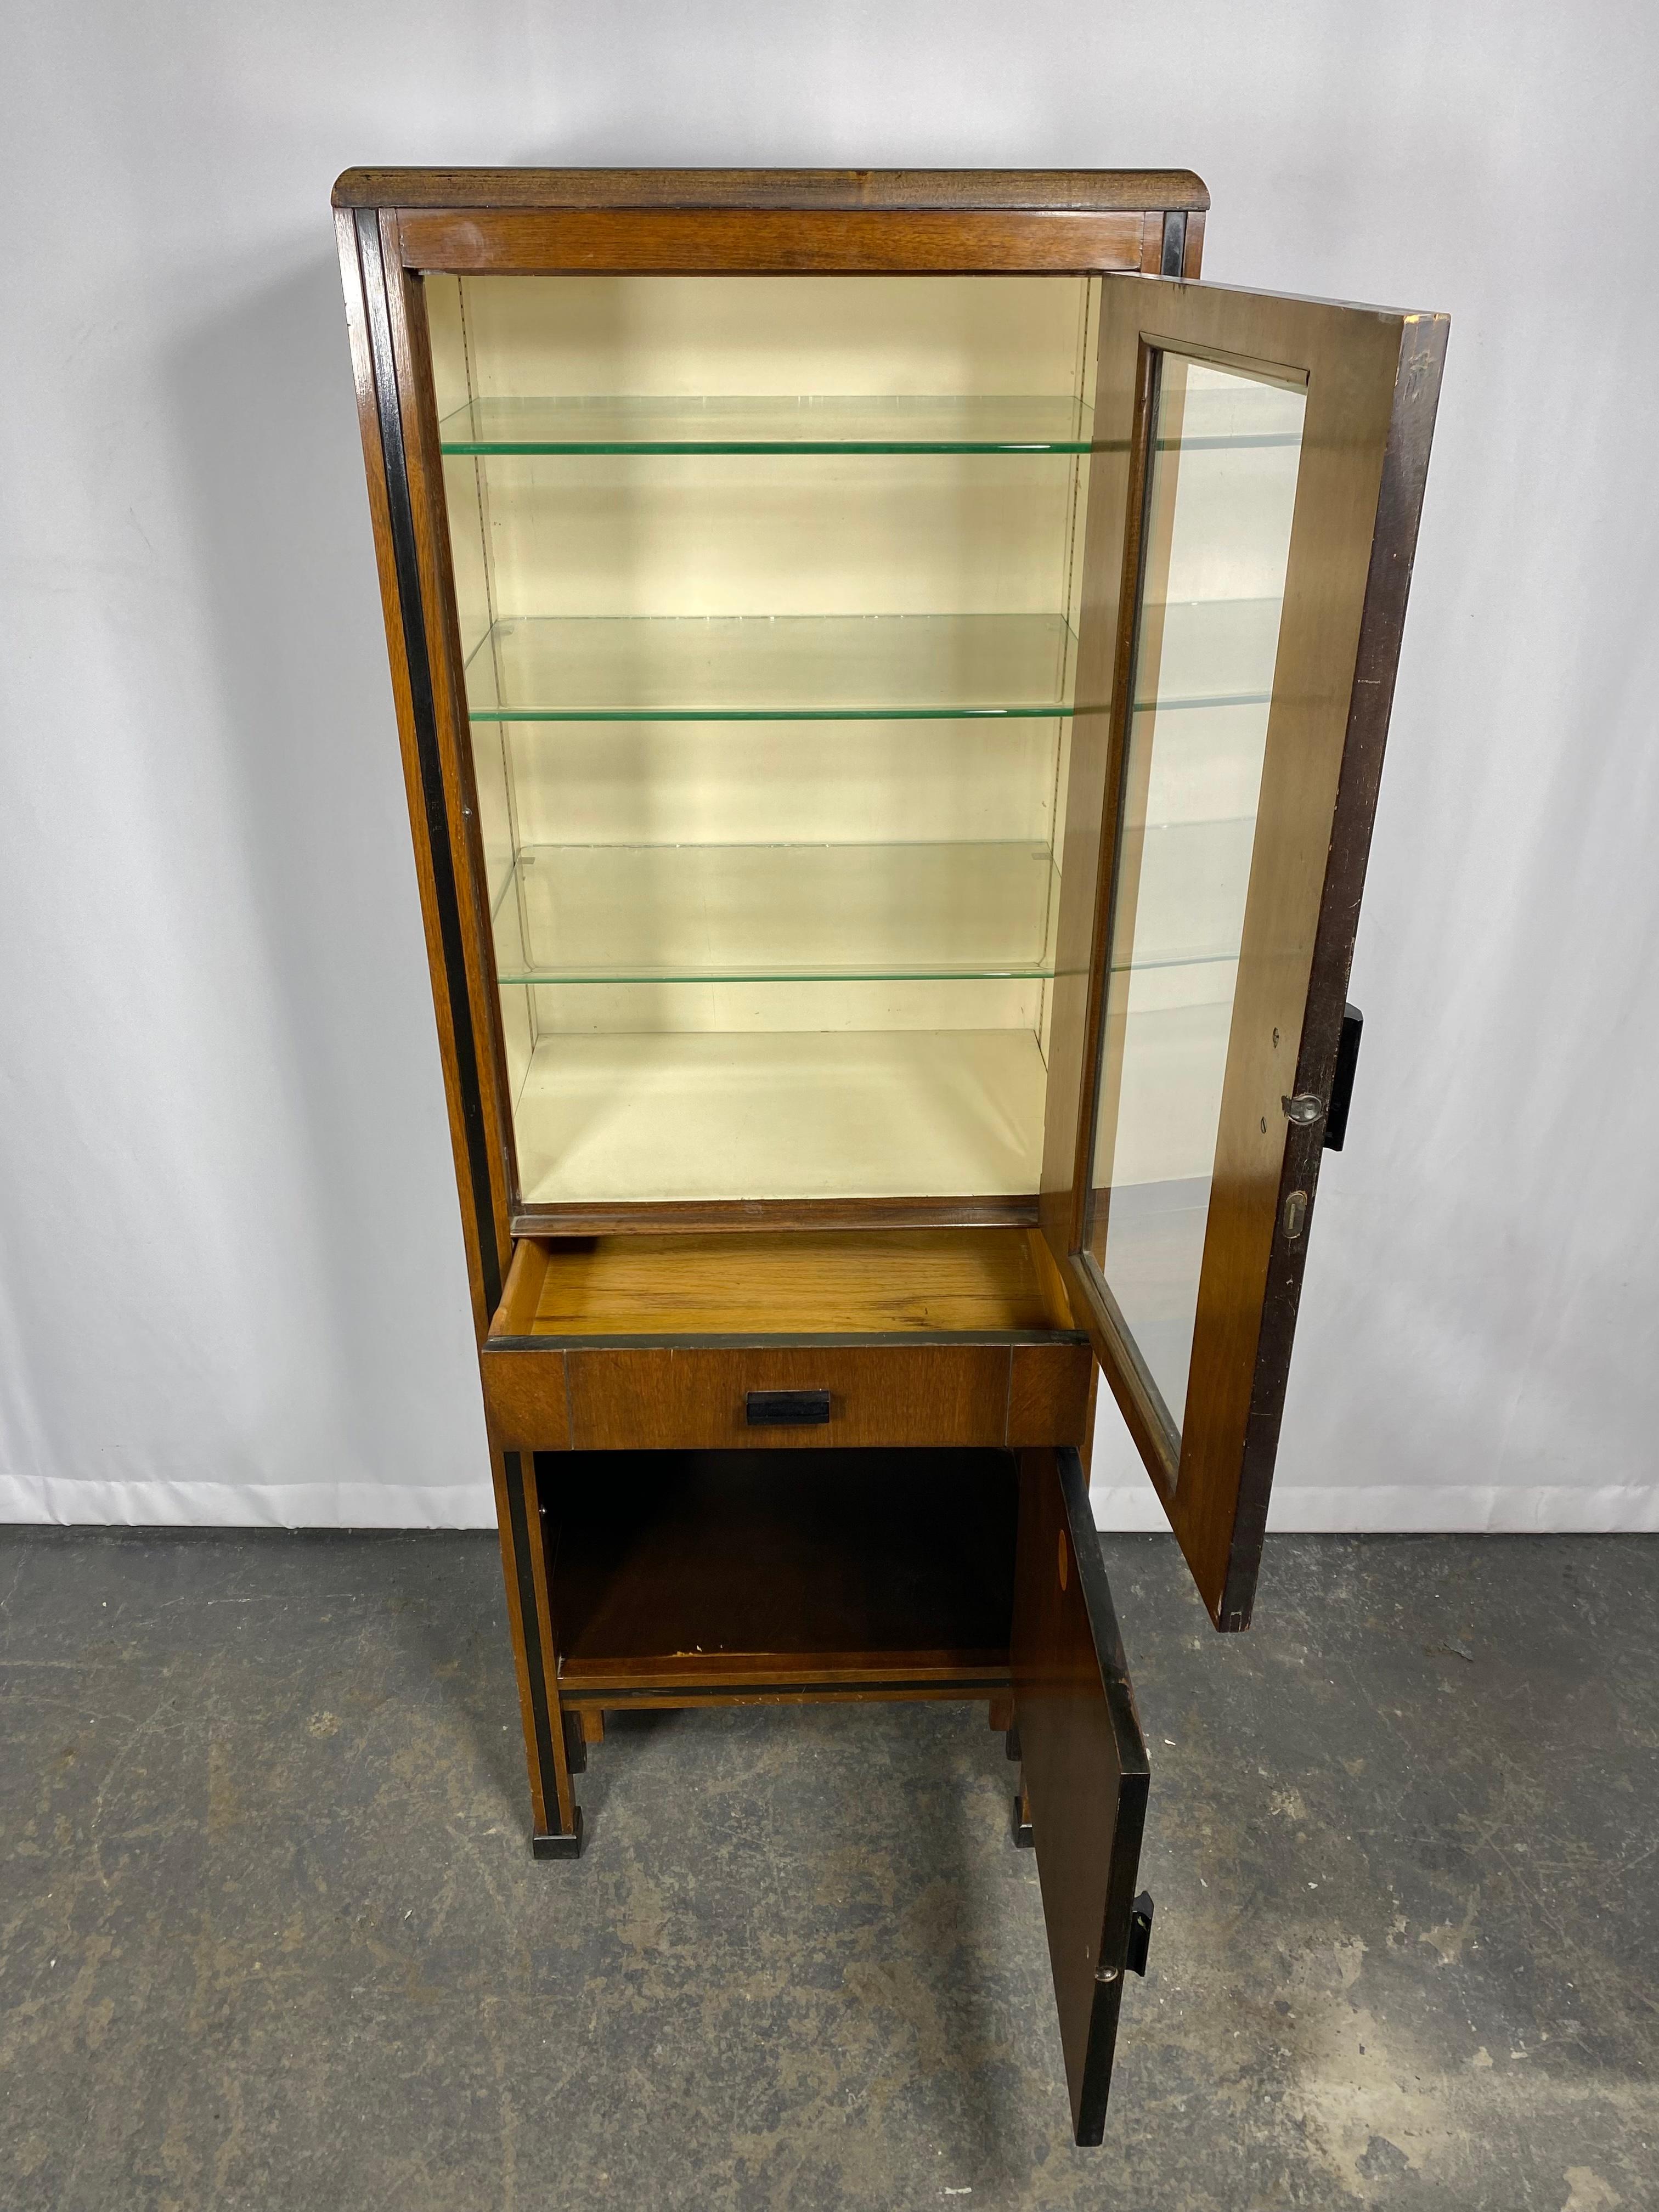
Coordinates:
<point>1216,545</point>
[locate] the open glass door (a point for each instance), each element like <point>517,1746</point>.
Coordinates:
<point>1257,475</point>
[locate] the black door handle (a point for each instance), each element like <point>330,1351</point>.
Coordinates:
<point>787,1409</point>
<point>1347,1058</point>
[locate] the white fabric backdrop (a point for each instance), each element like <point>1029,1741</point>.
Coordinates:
<point>232,1285</point>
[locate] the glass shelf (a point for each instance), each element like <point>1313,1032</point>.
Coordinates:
<point>678,424</point>
<point>770,668</point>
<point>613,913</point>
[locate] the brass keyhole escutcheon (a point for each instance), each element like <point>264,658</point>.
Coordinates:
<point>1064,1566</point>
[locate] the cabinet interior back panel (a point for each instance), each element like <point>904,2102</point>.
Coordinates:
<point>740,1082</point>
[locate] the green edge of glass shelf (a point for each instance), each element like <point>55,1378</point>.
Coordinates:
<point>675,425</point>
<point>1036,424</point>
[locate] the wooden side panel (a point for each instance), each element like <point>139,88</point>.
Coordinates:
<point>367,318</point>
<point>1084,1770</point>
<point>555,1822</point>
<point>526,1399</point>
<point>452,814</point>
<point>1048,1394</point>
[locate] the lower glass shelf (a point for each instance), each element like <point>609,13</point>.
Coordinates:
<point>769,667</point>
<point>792,1113</point>
<point>751,913</point>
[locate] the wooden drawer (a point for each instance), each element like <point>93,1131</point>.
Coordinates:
<point>691,1398</point>
<point>557,1378</point>
<point>697,1398</point>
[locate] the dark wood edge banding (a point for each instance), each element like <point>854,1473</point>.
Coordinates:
<point>836,1340</point>
<point>424,709</point>
<point>548,1757</point>
<point>695,1217</point>
<point>1091,190</point>
<point>1133,1784</point>
<point>1131,1742</point>
<point>609,1696</point>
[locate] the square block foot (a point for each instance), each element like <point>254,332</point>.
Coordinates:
<point>560,1847</point>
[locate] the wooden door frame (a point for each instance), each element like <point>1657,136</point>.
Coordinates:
<point>1373,381</point>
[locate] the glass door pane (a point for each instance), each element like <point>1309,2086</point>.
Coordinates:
<point>1215,548</point>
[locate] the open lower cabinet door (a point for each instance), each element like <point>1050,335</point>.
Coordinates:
<point>1083,1771</point>
<point>1257,469</point>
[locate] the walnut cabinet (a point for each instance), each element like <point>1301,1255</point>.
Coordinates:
<point>892,672</point>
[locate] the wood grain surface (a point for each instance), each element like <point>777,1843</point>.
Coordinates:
<point>1093,189</point>
<point>801,242</point>
<point>974,1281</point>
<point>1082,1765</point>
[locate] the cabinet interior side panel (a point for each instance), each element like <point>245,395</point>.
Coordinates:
<point>1088,331</point>
<point>466,499</point>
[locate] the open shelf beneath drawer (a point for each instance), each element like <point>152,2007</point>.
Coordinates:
<point>772,1569</point>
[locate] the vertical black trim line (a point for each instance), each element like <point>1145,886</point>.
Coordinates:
<point>512,1470</point>
<point>1175,243</point>
<point>406,561</point>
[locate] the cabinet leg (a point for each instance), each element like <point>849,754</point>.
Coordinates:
<point>1024,1840</point>
<point>1011,1742</point>
<point>560,1847</point>
<point>556,1819</point>
<point>583,1730</point>
<point>1002,1713</point>
<point>576,1745</point>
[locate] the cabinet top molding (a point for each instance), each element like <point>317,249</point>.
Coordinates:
<point>1090,190</point>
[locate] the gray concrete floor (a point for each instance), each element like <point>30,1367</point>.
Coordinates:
<point>271,1935</point>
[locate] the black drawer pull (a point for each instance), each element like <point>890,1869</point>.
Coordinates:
<point>787,1409</point>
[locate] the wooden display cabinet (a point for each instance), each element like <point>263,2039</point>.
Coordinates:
<point>892,674</point>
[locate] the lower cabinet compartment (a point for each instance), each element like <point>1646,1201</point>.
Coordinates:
<point>778,1574</point>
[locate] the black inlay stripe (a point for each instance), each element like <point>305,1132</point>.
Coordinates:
<point>406,559</point>
<point>513,1464</point>
<point>836,1340</point>
<point>1175,243</point>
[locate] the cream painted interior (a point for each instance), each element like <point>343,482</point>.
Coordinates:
<point>688,1071</point>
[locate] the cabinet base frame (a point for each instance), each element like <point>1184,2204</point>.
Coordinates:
<point>985,1685</point>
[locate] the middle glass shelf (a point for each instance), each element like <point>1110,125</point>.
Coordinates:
<point>770,667</point>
